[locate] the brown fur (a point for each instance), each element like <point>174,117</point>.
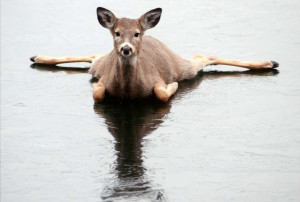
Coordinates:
<point>136,78</point>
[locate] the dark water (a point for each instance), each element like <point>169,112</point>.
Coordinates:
<point>227,135</point>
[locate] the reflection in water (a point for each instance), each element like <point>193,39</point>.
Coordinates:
<point>57,68</point>
<point>129,122</point>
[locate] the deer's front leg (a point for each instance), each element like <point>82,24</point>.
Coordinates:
<point>98,91</point>
<point>163,92</point>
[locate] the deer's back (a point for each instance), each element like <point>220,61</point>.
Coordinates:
<point>157,57</point>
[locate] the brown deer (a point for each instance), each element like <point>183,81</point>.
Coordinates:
<point>139,65</point>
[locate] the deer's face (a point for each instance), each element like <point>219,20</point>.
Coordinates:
<point>127,33</point>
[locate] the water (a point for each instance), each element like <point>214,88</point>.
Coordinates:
<point>227,135</point>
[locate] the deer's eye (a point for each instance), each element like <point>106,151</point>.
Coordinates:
<point>117,33</point>
<point>136,34</point>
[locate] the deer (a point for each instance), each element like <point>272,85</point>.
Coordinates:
<point>140,66</point>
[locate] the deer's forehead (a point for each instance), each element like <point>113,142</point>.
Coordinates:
<point>125,24</point>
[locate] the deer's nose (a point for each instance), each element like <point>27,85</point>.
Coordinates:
<point>126,50</point>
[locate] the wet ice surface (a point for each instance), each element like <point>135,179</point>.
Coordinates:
<point>225,136</point>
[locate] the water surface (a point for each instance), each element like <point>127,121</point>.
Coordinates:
<point>227,135</point>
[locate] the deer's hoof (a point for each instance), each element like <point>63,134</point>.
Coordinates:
<point>275,64</point>
<point>32,58</point>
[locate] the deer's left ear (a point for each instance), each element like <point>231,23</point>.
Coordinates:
<point>150,19</point>
<point>106,18</point>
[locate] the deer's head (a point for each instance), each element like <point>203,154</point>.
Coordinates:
<point>128,33</point>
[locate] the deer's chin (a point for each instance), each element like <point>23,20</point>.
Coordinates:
<point>127,58</point>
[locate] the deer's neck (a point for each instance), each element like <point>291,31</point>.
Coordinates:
<point>127,67</point>
<point>127,75</point>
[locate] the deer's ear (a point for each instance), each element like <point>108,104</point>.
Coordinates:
<point>150,19</point>
<point>106,18</point>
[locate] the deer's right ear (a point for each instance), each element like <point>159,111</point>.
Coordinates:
<point>106,18</point>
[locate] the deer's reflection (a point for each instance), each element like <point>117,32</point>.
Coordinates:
<point>129,122</point>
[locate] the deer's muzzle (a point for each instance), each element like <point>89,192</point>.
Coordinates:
<point>126,50</point>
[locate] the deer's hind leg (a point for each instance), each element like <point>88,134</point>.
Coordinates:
<point>163,91</point>
<point>200,62</point>
<point>48,60</point>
